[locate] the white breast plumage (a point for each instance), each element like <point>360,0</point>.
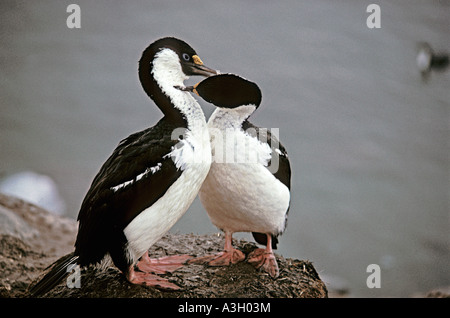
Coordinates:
<point>192,155</point>
<point>240,194</point>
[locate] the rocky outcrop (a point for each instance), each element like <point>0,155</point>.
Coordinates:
<point>31,239</point>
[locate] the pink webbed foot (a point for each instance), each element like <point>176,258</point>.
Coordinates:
<point>147,279</point>
<point>228,256</point>
<point>264,260</point>
<point>162,265</point>
<point>224,258</point>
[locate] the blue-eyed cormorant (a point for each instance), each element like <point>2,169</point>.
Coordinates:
<point>248,186</point>
<point>150,179</point>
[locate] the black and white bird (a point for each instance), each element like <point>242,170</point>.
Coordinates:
<point>248,186</point>
<point>150,179</point>
<point>428,60</point>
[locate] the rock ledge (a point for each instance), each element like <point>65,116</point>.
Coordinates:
<point>23,260</point>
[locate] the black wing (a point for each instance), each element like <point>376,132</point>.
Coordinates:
<point>279,153</point>
<point>135,176</point>
<point>283,173</point>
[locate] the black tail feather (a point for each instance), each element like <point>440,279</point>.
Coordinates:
<point>56,274</point>
<point>261,238</point>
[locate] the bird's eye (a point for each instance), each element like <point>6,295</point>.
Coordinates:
<point>186,57</point>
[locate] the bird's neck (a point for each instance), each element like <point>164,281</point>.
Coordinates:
<point>179,107</point>
<point>230,118</point>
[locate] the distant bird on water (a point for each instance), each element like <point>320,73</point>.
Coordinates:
<point>427,60</point>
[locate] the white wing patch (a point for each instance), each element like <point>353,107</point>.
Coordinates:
<point>181,154</point>
<point>189,151</point>
<point>151,170</point>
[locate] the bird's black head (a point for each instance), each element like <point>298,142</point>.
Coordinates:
<point>168,48</point>
<point>228,91</point>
